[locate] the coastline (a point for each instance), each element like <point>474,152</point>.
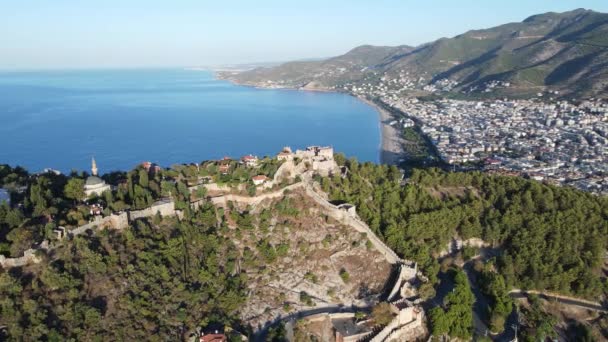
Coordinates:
<point>391,146</point>
<point>390,149</point>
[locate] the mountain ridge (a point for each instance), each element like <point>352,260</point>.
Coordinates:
<point>558,52</point>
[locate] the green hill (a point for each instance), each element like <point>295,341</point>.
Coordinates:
<point>566,52</point>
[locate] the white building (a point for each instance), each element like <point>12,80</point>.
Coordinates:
<point>285,154</point>
<point>95,185</point>
<point>259,180</point>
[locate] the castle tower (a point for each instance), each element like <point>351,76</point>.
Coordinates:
<point>93,167</point>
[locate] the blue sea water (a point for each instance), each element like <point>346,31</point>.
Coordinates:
<point>60,119</point>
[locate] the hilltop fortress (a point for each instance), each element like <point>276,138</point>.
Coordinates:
<point>321,158</point>
<point>293,179</point>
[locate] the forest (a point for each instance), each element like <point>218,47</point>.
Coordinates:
<point>43,201</point>
<point>546,237</point>
<point>158,280</point>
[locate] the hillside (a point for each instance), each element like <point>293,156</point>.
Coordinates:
<point>232,257</point>
<point>565,52</point>
<point>296,258</point>
<point>240,256</point>
<point>352,66</point>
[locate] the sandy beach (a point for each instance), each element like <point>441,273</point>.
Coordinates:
<point>391,147</point>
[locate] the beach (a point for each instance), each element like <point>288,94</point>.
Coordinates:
<point>391,147</point>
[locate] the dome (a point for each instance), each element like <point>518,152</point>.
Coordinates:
<point>94,180</point>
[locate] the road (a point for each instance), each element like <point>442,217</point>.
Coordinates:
<point>581,303</point>
<point>481,305</point>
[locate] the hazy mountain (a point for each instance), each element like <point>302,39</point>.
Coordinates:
<point>559,51</point>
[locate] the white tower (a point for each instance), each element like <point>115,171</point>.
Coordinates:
<point>93,167</point>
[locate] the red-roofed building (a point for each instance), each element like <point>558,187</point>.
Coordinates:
<point>224,168</point>
<point>149,166</point>
<point>250,160</point>
<point>213,338</point>
<point>224,165</point>
<point>259,180</point>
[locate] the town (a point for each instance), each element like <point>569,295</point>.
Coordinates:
<point>543,138</point>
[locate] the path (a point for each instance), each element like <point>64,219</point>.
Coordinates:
<point>581,303</point>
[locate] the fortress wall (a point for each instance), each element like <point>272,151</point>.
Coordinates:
<point>166,209</point>
<point>287,170</point>
<point>29,256</point>
<point>120,221</point>
<point>217,187</point>
<point>344,217</point>
<point>412,325</point>
<point>224,199</point>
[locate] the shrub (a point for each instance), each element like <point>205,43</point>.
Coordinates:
<point>344,275</point>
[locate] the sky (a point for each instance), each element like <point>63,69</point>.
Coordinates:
<point>44,34</point>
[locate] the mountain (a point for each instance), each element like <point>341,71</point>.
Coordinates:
<point>349,67</point>
<point>566,52</point>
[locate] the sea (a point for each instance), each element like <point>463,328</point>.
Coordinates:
<point>62,119</point>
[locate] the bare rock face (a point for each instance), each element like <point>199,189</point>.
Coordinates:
<point>298,259</point>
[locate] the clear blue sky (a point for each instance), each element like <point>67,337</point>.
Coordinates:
<point>143,33</point>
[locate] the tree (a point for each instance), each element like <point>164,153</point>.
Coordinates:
<point>41,197</point>
<point>143,178</point>
<point>74,189</point>
<point>201,192</point>
<point>460,307</point>
<point>456,319</point>
<point>553,237</point>
<point>277,334</point>
<point>539,324</point>
<point>440,322</point>
<point>251,189</point>
<point>493,285</point>
<point>382,314</point>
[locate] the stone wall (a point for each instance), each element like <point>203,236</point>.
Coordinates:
<point>116,221</point>
<point>286,171</point>
<point>407,272</point>
<point>402,326</point>
<point>218,187</point>
<point>331,315</point>
<point>347,218</point>
<point>222,201</point>
<point>28,257</point>
<point>325,167</point>
<point>166,208</point>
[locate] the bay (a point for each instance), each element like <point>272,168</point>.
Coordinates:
<point>60,119</point>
